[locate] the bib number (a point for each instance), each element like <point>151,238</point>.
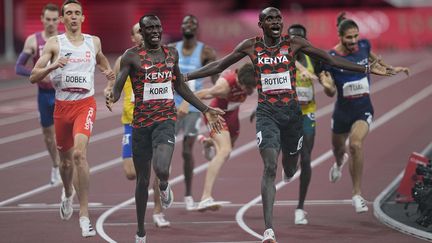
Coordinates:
<point>304,94</point>
<point>356,88</point>
<point>276,83</point>
<point>77,82</point>
<point>157,91</point>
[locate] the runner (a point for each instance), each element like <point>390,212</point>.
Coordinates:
<point>126,119</point>
<point>46,93</point>
<point>353,112</point>
<point>279,119</point>
<point>154,72</point>
<point>70,59</point>
<point>230,90</point>
<point>193,54</point>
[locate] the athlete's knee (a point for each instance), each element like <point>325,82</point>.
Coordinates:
<point>79,157</point>
<point>142,181</point>
<point>130,175</point>
<point>49,139</point>
<point>225,152</point>
<point>270,170</point>
<point>355,147</point>
<point>187,154</point>
<point>66,164</point>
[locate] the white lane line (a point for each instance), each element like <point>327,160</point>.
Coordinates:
<point>47,187</point>
<point>379,122</point>
<point>95,138</point>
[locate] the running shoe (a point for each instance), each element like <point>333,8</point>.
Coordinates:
<point>167,197</point>
<point>160,221</point>
<point>140,239</point>
<point>208,204</point>
<point>189,203</point>
<point>335,173</point>
<point>359,204</point>
<point>300,217</point>
<point>269,236</point>
<point>66,209</point>
<point>55,175</point>
<point>86,227</point>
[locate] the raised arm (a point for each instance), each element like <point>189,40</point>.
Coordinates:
<point>218,66</point>
<point>25,55</point>
<point>41,70</point>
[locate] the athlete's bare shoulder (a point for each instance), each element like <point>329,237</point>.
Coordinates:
<point>173,51</point>
<point>246,46</point>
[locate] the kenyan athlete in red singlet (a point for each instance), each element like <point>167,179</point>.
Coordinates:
<point>279,117</point>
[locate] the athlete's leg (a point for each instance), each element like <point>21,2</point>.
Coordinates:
<point>357,135</point>
<point>162,155</point>
<point>67,171</point>
<point>268,189</point>
<point>142,156</point>
<point>189,162</point>
<point>223,150</point>
<point>82,171</point>
<point>305,165</point>
<point>339,148</point>
<point>128,166</point>
<point>156,197</point>
<point>49,139</point>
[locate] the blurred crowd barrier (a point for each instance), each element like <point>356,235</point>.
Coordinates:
<point>386,28</point>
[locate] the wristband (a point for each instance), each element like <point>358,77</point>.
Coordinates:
<point>206,109</point>
<point>368,69</point>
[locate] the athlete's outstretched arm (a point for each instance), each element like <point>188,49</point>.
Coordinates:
<point>303,45</point>
<point>398,69</point>
<point>221,64</point>
<point>220,89</point>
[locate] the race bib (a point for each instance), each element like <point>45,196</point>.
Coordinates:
<point>232,106</point>
<point>157,91</point>
<point>305,94</point>
<point>275,82</point>
<point>78,82</point>
<point>356,88</point>
<point>191,84</point>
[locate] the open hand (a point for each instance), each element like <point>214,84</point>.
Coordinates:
<point>214,119</point>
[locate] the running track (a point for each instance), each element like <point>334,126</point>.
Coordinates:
<point>29,206</point>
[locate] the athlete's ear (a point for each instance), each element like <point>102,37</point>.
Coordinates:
<point>260,24</point>
<point>83,18</point>
<point>62,19</point>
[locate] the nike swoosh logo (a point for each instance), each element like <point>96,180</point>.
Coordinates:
<point>260,53</point>
<point>169,141</point>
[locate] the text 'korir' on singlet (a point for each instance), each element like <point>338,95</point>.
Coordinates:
<point>153,89</point>
<point>275,72</point>
<point>75,81</point>
<point>40,43</point>
<point>188,64</point>
<point>235,97</point>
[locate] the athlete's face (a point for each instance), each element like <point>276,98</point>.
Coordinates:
<point>72,17</point>
<point>189,26</point>
<point>151,32</point>
<point>296,32</point>
<point>272,23</point>
<point>50,20</point>
<point>136,36</point>
<point>349,39</point>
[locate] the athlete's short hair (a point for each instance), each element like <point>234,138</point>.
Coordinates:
<point>69,2</point>
<point>298,26</point>
<point>246,75</point>
<point>343,23</point>
<point>50,7</point>
<point>141,21</point>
